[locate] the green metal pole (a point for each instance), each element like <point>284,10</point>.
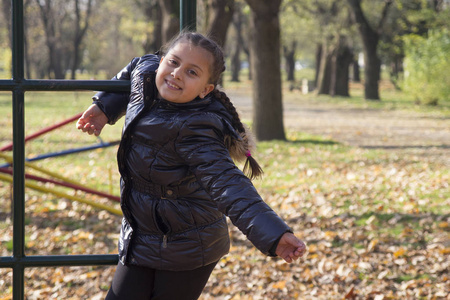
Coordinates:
<point>188,15</point>
<point>18,98</point>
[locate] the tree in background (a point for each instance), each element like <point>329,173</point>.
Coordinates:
<point>301,32</point>
<point>289,52</point>
<point>323,32</point>
<point>5,39</point>
<point>220,15</point>
<point>290,32</point>
<point>265,64</point>
<point>53,17</point>
<point>82,19</point>
<point>65,26</point>
<point>409,17</point>
<point>427,65</point>
<point>170,10</point>
<point>341,59</point>
<point>239,38</point>
<point>119,32</point>
<point>154,18</point>
<point>111,39</point>
<point>238,43</point>
<point>299,35</point>
<point>334,53</point>
<point>370,36</point>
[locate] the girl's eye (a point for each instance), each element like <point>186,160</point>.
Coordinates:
<point>192,72</point>
<point>172,62</point>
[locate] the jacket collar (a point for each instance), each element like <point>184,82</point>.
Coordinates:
<point>196,103</point>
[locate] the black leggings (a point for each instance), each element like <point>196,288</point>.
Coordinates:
<point>133,282</point>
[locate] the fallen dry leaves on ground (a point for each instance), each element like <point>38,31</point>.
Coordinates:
<point>371,226</point>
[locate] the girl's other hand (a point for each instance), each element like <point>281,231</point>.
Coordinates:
<point>92,121</point>
<point>290,248</point>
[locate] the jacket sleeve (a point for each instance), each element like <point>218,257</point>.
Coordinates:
<point>200,144</point>
<point>114,105</point>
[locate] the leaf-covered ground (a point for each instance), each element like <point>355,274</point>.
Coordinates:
<point>376,222</point>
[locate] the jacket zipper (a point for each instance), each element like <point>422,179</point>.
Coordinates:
<point>161,225</point>
<point>164,241</point>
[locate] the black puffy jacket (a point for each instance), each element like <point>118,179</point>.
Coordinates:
<point>177,178</point>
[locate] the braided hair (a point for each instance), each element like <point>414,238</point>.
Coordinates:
<point>239,149</point>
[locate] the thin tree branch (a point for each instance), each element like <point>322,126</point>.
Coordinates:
<point>384,13</point>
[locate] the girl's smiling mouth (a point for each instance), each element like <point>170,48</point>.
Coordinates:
<point>172,86</point>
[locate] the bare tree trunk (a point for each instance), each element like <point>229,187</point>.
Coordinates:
<point>324,75</point>
<point>152,12</point>
<point>356,70</point>
<point>318,59</point>
<point>81,27</point>
<point>237,45</point>
<point>6,5</point>
<point>370,38</point>
<point>372,70</point>
<point>343,73</point>
<point>335,63</point>
<point>235,62</point>
<point>245,48</point>
<point>157,32</point>
<point>221,13</point>
<point>170,10</point>
<point>265,53</point>
<point>289,58</point>
<point>55,69</point>
<point>250,69</point>
<point>396,68</point>
<point>341,61</point>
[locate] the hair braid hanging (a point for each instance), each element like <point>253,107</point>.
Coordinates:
<point>240,149</point>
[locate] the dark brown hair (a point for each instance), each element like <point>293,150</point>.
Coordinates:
<point>239,149</point>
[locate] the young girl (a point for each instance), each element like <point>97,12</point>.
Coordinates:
<point>178,179</point>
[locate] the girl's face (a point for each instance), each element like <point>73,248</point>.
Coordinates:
<point>183,74</point>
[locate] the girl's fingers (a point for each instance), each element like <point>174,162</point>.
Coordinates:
<point>92,130</point>
<point>80,123</point>
<point>88,128</point>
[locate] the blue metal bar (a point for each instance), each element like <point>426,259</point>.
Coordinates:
<point>72,151</point>
<point>66,152</point>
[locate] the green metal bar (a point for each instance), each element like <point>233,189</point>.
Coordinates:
<point>188,15</point>
<point>60,260</point>
<point>68,85</point>
<point>18,207</point>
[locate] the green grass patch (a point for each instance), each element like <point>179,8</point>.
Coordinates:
<point>408,277</point>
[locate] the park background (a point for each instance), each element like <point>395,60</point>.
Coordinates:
<point>373,207</point>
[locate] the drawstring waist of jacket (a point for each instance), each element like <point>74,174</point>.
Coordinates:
<point>160,191</point>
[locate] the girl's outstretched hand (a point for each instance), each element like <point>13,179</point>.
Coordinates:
<point>92,121</point>
<point>290,248</point>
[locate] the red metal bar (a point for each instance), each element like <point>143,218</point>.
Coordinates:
<point>65,184</point>
<point>41,132</point>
